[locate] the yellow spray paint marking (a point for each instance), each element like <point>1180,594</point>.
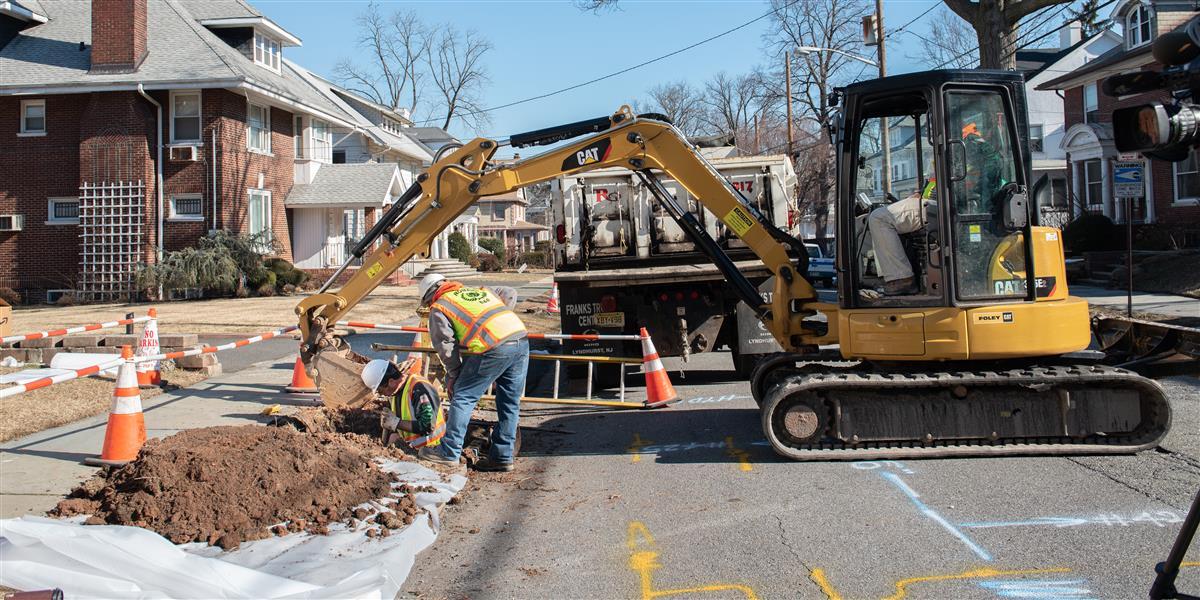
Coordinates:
<point>636,445</point>
<point>818,577</point>
<point>742,456</point>
<point>643,560</point>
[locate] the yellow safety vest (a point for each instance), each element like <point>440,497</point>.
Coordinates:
<point>480,319</point>
<point>407,412</point>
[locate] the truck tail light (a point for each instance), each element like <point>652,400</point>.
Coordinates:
<point>560,233</point>
<point>608,303</point>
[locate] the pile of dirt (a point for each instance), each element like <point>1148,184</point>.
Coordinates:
<point>338,420</point>
<point>226,485</point>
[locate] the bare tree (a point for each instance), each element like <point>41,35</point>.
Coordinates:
<point>396,44</point>
<point>732,104</point>
<point>949,43</point>
<point>458,74</point>
<point>680,102</point>
<point>596,6</point>
<point>997,24</point>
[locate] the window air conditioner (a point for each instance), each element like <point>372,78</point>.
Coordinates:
<point>185,153</point>
<point>12,222</point>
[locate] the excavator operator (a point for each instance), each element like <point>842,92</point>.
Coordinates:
<point>481,341</point>
<point>886,223</point>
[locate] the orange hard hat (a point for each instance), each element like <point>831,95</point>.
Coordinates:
<point>969,129</point>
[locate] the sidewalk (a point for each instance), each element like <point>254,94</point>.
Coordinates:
<point>1146,302</point>
<point>38,470</point>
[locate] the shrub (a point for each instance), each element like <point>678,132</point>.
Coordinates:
<point>221,262</point>
<point>543,246</point>
<point>264,277</point>
<point>537,259</point>
<point>293,277</point>
<point>460,248</point>
<point>67,300</point>
<point>489,263</point>
<point>10,296</point>
<point>266,289</point>
<point>473,261</point>
<point>493,245</point>
<point>1092,233</point>
<point>288,289</point>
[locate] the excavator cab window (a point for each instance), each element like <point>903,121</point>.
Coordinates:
<point>989,248</point>
<point>896,223</point>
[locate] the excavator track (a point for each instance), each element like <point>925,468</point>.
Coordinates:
<point>852,411</point>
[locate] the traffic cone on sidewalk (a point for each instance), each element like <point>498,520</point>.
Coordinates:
<point>148,374</point>
<point>126,431</point>
<point>552,303</point>
<point>659,391</point>
<point>301,382</point>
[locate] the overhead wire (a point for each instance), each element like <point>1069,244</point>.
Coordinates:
<point>626,69</point>
<point>1027,43</point>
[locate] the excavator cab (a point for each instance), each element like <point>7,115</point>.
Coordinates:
<point>933,179</point>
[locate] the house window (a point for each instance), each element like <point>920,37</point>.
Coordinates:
<point>322,140</point>
<point>266,51</point>
<point>33,117</point>
<point>62,211</point>
<point>354,223</point>
<point>1091,104</point>
<point>339,157</point>
<point>1137,26</point>
<point>298,138</point>
<point>259,213</point>
<point>1093,186</point>
<point>187,207</point>
<point>498,211</point>
<point>258,121</point>
<point>1187,178</point>
<point>1035,138</point>
<point>185,117</point>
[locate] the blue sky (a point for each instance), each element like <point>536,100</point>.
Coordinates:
<point>544,45</point>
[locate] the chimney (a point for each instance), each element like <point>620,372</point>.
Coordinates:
<point>1070,34</point>
<point>118,35</point>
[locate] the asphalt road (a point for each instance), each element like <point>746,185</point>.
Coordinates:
<point>689,502</point>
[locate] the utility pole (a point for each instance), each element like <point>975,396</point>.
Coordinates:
<point>886,176</point>
<point>787,75</point>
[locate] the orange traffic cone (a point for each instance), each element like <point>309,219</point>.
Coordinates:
<point>659,391</point>
<point>301,382</point>
<point>148,374</point>
<point>126,431</point>
<point>552,303</point>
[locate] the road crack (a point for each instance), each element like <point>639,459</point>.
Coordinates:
<point>1124,484</point>
<point>783,539</point>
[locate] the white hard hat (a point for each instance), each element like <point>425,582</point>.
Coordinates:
<point>429,282</point>
<point>374,372</point>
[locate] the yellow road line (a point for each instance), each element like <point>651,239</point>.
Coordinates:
<point>637,444</point>
<point>818,577</point>
<point>831,593</point>
<point>742,456</point>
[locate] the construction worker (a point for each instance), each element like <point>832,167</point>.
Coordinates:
<point>414,401</point>
<point>887,223</point>
<point>481,341</point>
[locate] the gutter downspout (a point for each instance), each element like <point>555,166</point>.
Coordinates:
<point>214,178</point>
<point>158,174</point>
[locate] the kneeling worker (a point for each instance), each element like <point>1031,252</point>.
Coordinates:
<point>481,341</point>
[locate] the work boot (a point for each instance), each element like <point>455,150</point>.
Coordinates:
<point>434,455</point>
<point>900,287</point>
<point>487,464</point>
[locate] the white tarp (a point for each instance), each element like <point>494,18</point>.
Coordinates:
<point>73,361</point>
<point>111,561</point>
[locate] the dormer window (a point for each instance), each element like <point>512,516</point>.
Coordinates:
<point>266,51</point>
<point>1138,29</point>
<point>391,125</point>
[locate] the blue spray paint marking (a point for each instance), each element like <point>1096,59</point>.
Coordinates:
<point>915,498</point>
<point>871,465</point>
<point>1039,590</point>
<point>1158,518</point>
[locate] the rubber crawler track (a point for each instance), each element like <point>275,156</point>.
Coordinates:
<point>787,382</point>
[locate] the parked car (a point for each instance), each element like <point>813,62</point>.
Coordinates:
<point>820,267</point>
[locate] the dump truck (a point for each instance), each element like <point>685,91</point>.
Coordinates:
<point>622,260</point>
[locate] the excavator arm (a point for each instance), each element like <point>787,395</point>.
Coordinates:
<point>457,180</point>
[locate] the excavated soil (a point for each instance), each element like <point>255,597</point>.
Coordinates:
<point>226,485</point>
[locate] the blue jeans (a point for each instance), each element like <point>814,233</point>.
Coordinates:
<point>506,366</point>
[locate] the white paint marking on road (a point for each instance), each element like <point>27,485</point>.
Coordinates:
<point>715,399</point>
<point>1159,518</point>
<point>1038,589</point>
<point>915,498</point>
<point>871,465</point>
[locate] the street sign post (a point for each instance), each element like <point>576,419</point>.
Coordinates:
<point>1129,179</point>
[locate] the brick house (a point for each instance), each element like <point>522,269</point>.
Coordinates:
<point>86,94</point>
<point>503,217</point>
<point>1172,190</point>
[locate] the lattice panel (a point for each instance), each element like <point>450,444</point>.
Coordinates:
<point>110,225</point>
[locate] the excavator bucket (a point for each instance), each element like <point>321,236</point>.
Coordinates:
<point>339,378</point>
<point>1147,345</point>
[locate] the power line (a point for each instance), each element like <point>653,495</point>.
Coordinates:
<point>625,70</point>
<point>1024,46</point>
<point>901,28</point>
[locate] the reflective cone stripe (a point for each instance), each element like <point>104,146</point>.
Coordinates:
<point>148,374</point>
<point>659,391</point>
<point>126,431</point>
<point>301,382</point>
<point>552,303</point>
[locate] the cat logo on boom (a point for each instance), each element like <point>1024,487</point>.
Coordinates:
<point>593,153</point>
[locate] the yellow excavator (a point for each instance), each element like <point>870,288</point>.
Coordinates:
<point>979,358</point>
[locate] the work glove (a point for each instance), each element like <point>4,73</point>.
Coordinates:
<point>425,417</point>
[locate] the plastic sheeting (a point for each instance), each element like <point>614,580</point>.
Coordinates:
<point>112,561</point>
